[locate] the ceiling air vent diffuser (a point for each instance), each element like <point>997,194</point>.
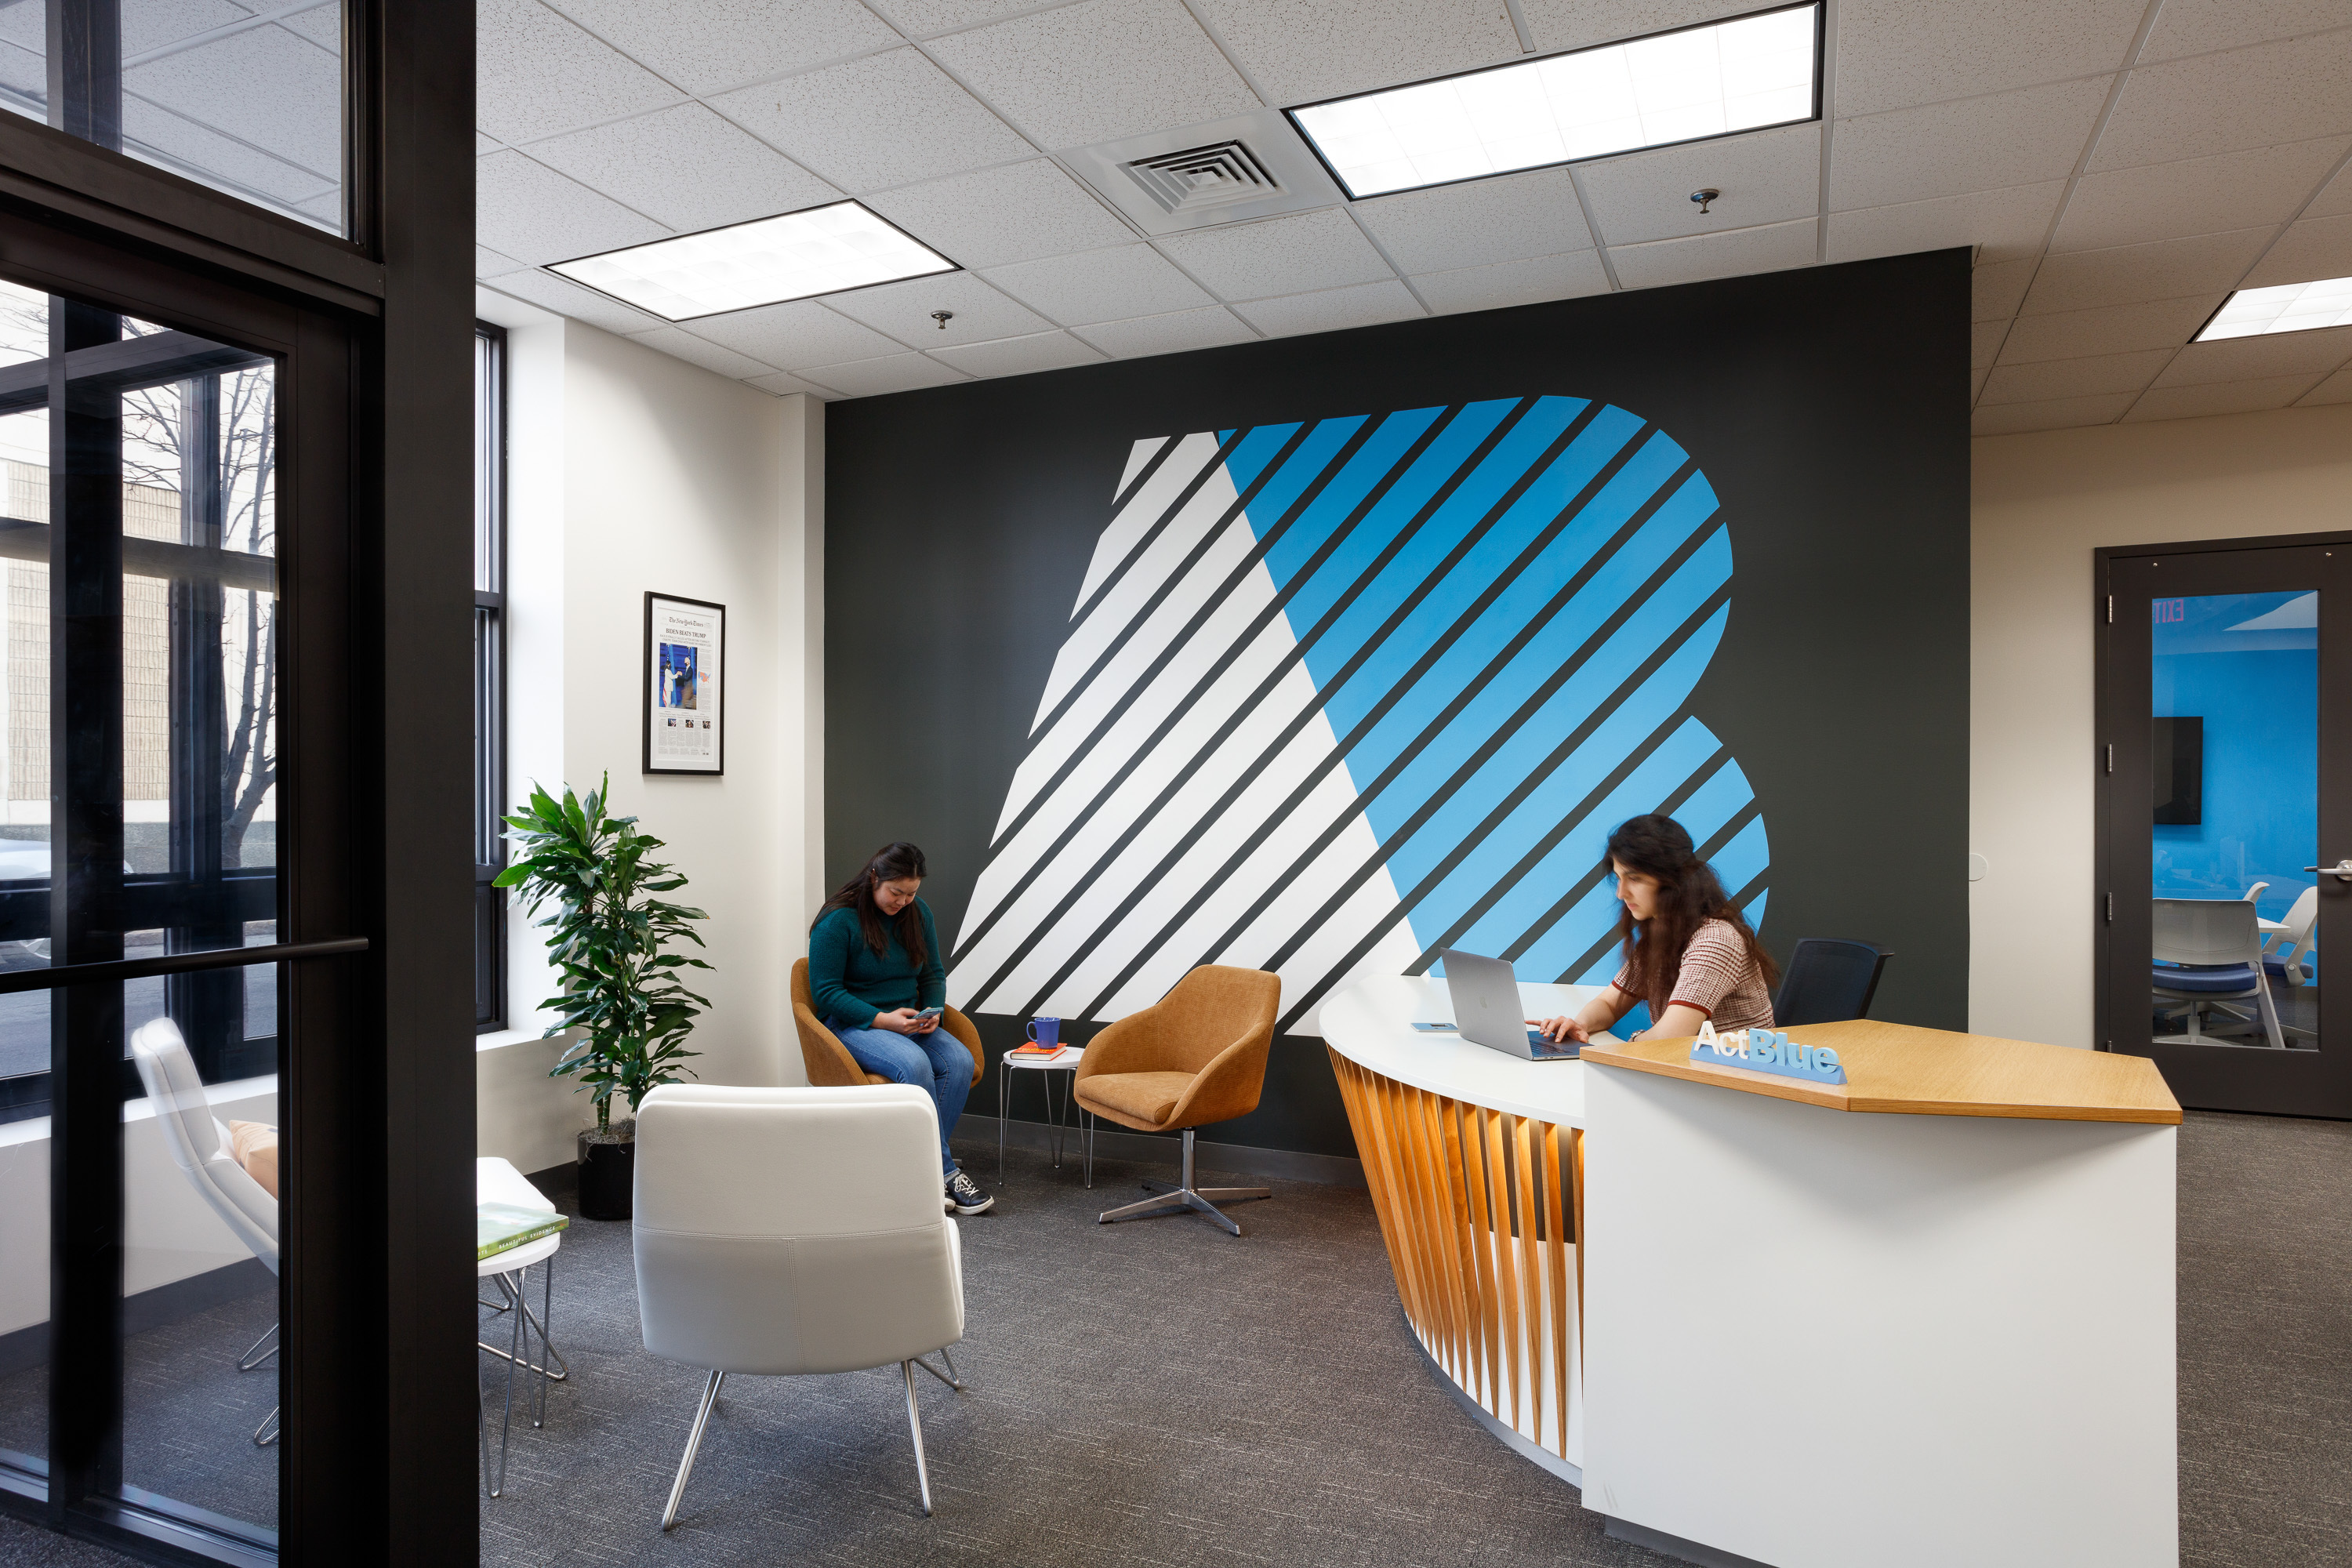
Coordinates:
<point>1197,178</point>
<point>1227,171</point>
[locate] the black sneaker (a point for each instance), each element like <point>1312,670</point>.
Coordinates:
<point>964,1195</point>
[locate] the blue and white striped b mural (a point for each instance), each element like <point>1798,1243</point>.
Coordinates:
<point>1338,694</point>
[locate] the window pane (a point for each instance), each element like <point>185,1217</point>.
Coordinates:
<point>246,98</point>
<point>2234,732</point>
<point>199,1275</point>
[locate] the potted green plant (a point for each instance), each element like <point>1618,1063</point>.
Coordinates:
<point>623,1001</point>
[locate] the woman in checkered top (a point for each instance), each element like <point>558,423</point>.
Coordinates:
<point>1689,952</point>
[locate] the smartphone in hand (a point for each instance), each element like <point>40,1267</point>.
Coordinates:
<point>929,1013</point>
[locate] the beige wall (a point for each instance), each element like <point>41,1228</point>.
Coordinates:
<point>2041,504</point>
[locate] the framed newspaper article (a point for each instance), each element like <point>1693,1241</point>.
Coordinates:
<point>686,686</point>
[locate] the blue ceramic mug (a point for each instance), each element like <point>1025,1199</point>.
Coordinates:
<point>1046,1032</point>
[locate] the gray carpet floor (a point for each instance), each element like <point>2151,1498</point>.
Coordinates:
<point>1159,1394</point>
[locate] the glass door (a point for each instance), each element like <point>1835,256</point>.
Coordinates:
<point>2225,738</point>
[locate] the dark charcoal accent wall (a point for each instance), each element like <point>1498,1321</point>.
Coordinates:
<point>1829,408</point>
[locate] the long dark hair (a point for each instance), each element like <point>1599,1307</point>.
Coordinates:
<point>1689,895</point>
<point>890,863</point>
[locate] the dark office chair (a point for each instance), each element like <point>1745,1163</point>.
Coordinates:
<point>1829,981</point>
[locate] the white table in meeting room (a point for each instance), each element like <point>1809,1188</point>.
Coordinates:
<point>1925,1317</point>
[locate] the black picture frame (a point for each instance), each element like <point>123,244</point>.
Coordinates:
<point>715,722</point>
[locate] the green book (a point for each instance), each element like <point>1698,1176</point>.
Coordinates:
<point>502,1227</point>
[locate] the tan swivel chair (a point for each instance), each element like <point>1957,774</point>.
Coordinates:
<point>829,1063</point>
<point>1196,1057</point>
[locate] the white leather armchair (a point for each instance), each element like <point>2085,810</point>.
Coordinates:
<point>791,1231</point>
<point>200,1147</point>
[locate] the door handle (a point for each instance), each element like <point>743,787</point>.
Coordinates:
<point>2341,871</point>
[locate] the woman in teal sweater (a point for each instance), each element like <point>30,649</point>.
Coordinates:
<point>873,969</point>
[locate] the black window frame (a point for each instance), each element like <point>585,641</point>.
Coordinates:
<point>376,1072</point>
<point>490,675</point>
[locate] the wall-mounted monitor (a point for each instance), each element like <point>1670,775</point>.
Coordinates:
<point>2179,771</point>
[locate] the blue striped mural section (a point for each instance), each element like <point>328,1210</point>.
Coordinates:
<point>1342,692</point>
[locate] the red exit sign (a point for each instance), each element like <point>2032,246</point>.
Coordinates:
<point>2171,610</point>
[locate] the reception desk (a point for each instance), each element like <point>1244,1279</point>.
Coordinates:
<point>1926,1317</point>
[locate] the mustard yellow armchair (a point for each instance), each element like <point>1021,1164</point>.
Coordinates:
<point>828,1061</point>
<point>1196,1057</point>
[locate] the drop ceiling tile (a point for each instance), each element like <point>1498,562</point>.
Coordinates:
<point>995,216</point>
<point>2251,359</point>
<point>1111,285</point>
<point>537,74</point>
<point>2307,251</point>
<point>873,377</point>
<point>1770,176</point>
<point>2337,388</point>
<point>1984,341</point>
<point>2200,26</point>
<point>1020,356</point>
<point>787,386</point>
<point>1176,332</point>
<point>685,167</point>
<point>1766,250</point>
<point>1303,50</point>
<point>1479,222</point>
<point>706,45</point>
<point>882,121</point>
<point>2292,91</point>
<point>321,24</point>
<point>1099,70</point>
<point>2008,225</point>
<point>1975,384</point>
<point>904,310</point>
<point>2221,397</point>
<point>1524,282</point>
<point>1944,149</point>
<point>2169,270</point>
<point>922,18</point>
<point>535,215</point>
<point>1997,288</point>
<point>2335,200</point>
<point>2058,414</point>
<point>695,350</point>
<point>1279,254</point>
<point>2110,329</point>
<point>2100,374</point>
<point>489,263</point>
<point>2195,195</point>
<point>566,298</point>
<point>149,24</point>
<point>1580,23</point>
<point>793,335</point>
<point>1893,54</point>
<point>486,144</point>
<point>1332,310</point>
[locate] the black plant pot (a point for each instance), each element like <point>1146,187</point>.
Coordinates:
<point>608,1175</point>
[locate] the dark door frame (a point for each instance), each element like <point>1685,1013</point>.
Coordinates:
<point>2317,1083</point>
<point>373,338</point>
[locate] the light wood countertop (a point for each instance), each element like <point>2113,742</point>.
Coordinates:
<point>1895,1068</point>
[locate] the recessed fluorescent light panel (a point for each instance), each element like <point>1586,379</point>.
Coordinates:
<point>1682,85</point>
<point>823,250</point>
<point>2289,307</point>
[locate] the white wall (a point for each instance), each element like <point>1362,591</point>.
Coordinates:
<point>2041,504</point>
<point>630,471</point>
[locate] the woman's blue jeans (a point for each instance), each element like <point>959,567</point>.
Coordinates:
<point>936,1063</point>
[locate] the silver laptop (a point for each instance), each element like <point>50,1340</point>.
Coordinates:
<point>1486,1009</point>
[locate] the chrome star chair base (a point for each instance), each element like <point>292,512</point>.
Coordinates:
<point>1179,1196</point>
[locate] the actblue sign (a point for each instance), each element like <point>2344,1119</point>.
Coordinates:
<point>1761,1050</point>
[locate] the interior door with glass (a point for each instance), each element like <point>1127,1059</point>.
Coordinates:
<point>2225,750</point>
